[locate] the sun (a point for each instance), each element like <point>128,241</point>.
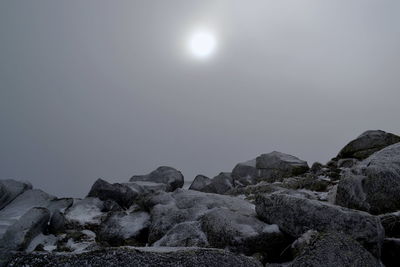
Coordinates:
<point>202,44</point>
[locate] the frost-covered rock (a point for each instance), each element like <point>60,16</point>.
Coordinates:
<point>333,250</point>
<point>245,173</point>
<point>373,185</point>
<point>138,257</point>
<point>275,166</point>
<point>21,205</point>
<point>85,211</point>
<point>19,235</point>
<point>368,143</point>
<point>10,189</point>
<point>295,216</point>
<point>186,234</point>
<point>303,241</point>
<point>165,175</point>
<point>120,193</point>
<point>220,184</point>
<point>199,182</point>
<point>120,228</point>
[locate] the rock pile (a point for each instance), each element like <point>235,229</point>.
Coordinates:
<point>273,210</point>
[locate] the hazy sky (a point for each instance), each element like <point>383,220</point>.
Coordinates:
<point>107,89</point>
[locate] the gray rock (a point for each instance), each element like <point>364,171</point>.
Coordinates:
<point>391,223</point>
<point>10,189</point>
<point>19,235</point>
<point>333,250</point>
<point>368,143</point>
<point>302,242</point>
<point>57,223</point>
<point>220,184</point>
<point>346,163</point>
<point>186,234</point>
<point>165,175</point>
<point>373,185</point>
<point>87,211</point>
<point>120,228</point>
<point>295,216</point>
<point>199,182</point>
<point>120,193</point>
<point>175,257</point>
<point>391,252</point>
<point>275,166</point>
<point>245,173</point>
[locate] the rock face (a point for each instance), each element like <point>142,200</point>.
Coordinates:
<point>368,143</point>
<point>333,250</point>
<point>120,193</point>
<point>374,184</point>
<point>139,257</point>
<point>245,173</point>
<point>295,216</point>
<point>10,189</point>
<point>275,166</point>
<point>165,175</point>
<point>125,229</point>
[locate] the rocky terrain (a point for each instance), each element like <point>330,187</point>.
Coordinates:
<point>273,210</point>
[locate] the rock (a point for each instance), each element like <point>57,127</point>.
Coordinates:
<point>168,257</point>
<point>391,252</point>
<point>346,163</point>
<point>373,185</point>
<point>57,223</point>
<point>165,175</point>
<point>333,250</point>
<point>120,193</point>
<point>220,184</point>
<point>245,173</point>
<point>21,205</point>
<point>10,189</point>
<point>295,216</point>
<point>199,182</point>
<point>368,143</point>
<point>186,234</point>
<point>143,187</point>
<point>391,223</point>
<point>302,242</point>
<point>242,234</point>
<point>120,229</point>
<point>308,182</point>
<point>276,165</point>
<point>316,167</point>
<point>87,211</point>
<point>19,235</point>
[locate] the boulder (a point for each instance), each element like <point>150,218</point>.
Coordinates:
<point>165,175</point>
<point>120,193</point>
<point>186,234</point>
<point>199,182</point>
<point>373,185</point>
<point>120,228</point>
<point>333,250</point>
<point>10,189</point>
<point>245,173</point>
<point>168,257</point>
<point>275,166</point>
<point>295,215</point>
<point>87,211</point>
<point>19,235</point>
<point>220,184</point>
<point>368,143</point>
<point>391,223</point>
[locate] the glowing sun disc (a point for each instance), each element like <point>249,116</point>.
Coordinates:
<point>202,44</point>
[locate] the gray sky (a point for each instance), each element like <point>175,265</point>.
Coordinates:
<point>107,89</point>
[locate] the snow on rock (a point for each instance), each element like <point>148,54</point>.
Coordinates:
<point>85,211</point>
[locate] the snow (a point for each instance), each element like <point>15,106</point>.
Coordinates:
<point>48,242</point>
<point>133,223</point>
<point>271,228</point>
<point>85,211</point>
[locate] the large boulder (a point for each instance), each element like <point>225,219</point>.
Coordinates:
<point>120,193</point>
<point>19,235</point>
<point>226,222</point>
<point>368,143</point>
<point>275,166</point>
<point>199,182</point>
<point>120,228</point>
<point>295,215</point>
<point>333,250</point>
<point>87,211</point>
<point>373,185</point>
<point>165,175</point>
<point>138,257</point>
<point>220,184</point>
<point>10,189</point>
<point>245,173</point>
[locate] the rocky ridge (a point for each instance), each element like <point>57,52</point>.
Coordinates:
<point>273,210</point>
